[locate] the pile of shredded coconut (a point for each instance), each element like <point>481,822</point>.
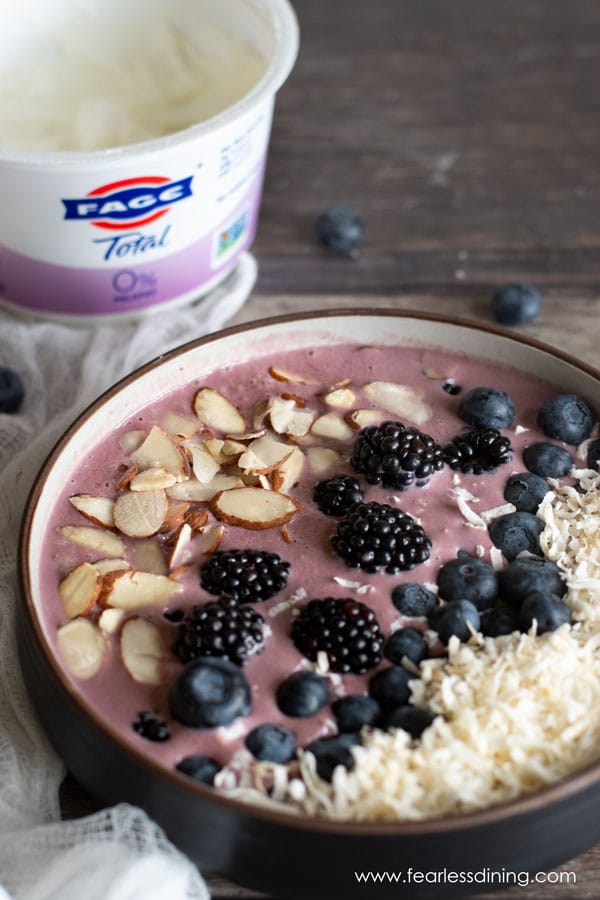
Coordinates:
<point>507,724</point>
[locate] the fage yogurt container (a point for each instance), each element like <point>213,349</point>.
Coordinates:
<point>160,210</point>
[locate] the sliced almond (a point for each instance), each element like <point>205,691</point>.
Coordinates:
<point>79,590</point>
<point>196,491</point>
<point>204,464</point>
<point>263,455</point>
<point>98,510</point>
<point>127,477</point>
<point>102,566</point>
<point>110,620</point>
<point>82,646</point>
<point>98,539</point>
<point>132,590</point>
<point>180,426</point>
<point>149,556</point>
<point>332,425</point>
<point>140,514</point>
<point>142,650</point>
<point>181,551</point>
<point>231,448</point>
<point>298,400</point>
<point>211,538</point>
<point>341,398</point>
<point>287,473</point>
<point>281,375</point>
<point>196,518</point>
<point>131,440</point>
<point>216,411</point>
<point>159,449</point>
<point>362,418</point>
<point>399,399</point>
<point>259,412</point>
<point>322,459</point>
<point>286,418</point>
<point>254,508</point>
<point>174,516</point>
<point>155,479</point>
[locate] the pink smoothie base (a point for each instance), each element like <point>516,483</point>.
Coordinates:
<point>114,695</point>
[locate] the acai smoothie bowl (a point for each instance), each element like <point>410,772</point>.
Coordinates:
<point>326,589</point>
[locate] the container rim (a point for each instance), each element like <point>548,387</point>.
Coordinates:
<point>286,33</point>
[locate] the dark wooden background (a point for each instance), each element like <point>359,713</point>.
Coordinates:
<point>467,133</point>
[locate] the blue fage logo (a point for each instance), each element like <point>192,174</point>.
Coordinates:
<point>130,202</point>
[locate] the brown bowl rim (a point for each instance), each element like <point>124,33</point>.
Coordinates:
<point>527,804</point>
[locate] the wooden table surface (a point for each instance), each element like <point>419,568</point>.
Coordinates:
<point>467,133</point>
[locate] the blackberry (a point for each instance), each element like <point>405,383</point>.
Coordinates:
<point>396,456</point>
<point>478,450</point>
<point>222,629</point>
<point>345,629</point>
<point>149,726</point>
<point>337,495</point>
<point>376,536</point>
<point>247,576</point>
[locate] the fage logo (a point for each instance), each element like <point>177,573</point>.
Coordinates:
<point>129,203</point>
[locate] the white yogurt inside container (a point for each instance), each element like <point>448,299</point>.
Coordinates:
<point>133,139</point>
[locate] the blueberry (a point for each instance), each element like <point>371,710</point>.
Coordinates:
<point>566,417</point>
<point>414,719</point>
<point>271,742</point>
<point>209,692</point>
<point>468,578</point>
<point>547,609</point>
<point>486,407</point>
<point>413,600</point>
<point>405,642</point>
<point>340,228</point>
<point>522,577</point>
<point>302,694</point>
<point>354,711</point>
<point>332,752</point>
<point>525,490</point>
<point>455,619</point>
<point>593,455</point>
<point>11,390</point>
<point>390,687</point>
<point>199,767</point>
<point>547,460</point>
<point>498,620</point>
<point>516,532</point>
<point>516,304</point>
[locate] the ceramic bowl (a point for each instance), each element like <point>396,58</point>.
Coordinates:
<point>261,848</point>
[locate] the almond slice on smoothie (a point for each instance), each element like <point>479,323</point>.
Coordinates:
<point>142,650</point>
<point>132,590</point>
<point>98,539</point>
<point>82,646</point>
<point>215,410</point>
<point>140,514</point>
<point>99,510</point>
<point>79,590</point>
<point>254,508</point>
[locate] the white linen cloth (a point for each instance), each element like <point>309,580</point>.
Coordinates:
<point>118,853</point>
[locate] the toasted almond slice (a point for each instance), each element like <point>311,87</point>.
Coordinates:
<point>102,566</point>
<point>79,590</point>
<point>140,514</point>
<point>254,508</point>
<point>82,646</point>
<point>110,620</point>
<point>98,510</point>
<point>195,491</point>
<point>215,448</point>
<point>362,418</point>
<point>263,455</point>
<point>155,479</point>
<point>399,399</point>
<point>132,590</point>
<point>232,448</point>
<point>149,556</point>
<point>131,440</point>
<point>259,413</point>
<point>174,517</point>
<point>196,518</point>
<point>322,459</point>
<point>286,418</point>
<point>331,425</point>
<point>181,552</point>
<point>142,650</point>
<point>179,571</point>
<point>204,465</point>
<point>298,400</point>
<point>216,411</point>
<point>285,534</point>
<point>159,449</point>
<point>287,473</point>
<point>94,539</point>
<point>179,426</point>
<point>281,375</point>
<point>211,538</point>
<point>127,477</point>
<point>340,398</point>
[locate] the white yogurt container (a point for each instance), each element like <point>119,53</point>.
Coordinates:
<point>122,230</point>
